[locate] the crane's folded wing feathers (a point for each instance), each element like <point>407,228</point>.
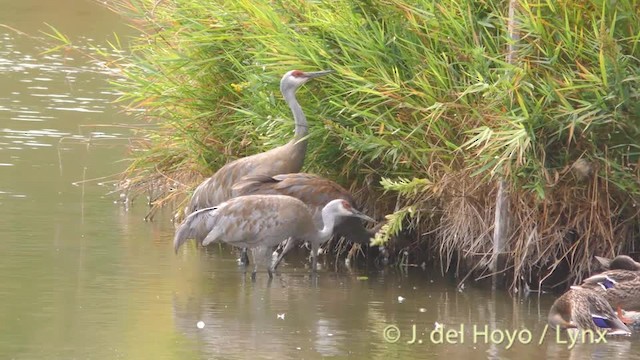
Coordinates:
<point>253,184</point>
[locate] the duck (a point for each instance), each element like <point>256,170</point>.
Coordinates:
<point>585,309</point>
<point>621,288</point>
<point>620,262</point>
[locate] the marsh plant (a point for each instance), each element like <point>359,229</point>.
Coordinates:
<point>424,117</point>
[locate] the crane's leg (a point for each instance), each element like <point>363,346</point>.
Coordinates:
<point>268,251</point>
<point>244,257</point>
<point>314,260</point>
<point>290,243</point>
<point>255,264</point>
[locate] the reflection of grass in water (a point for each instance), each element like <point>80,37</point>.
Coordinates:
<point>89,141</point>
<point>420,91</point>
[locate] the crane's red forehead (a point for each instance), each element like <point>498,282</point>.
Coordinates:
<point>297,73</point>
<point>346,205</point>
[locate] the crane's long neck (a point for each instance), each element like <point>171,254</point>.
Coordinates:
<point>302,128</point>
<point>325,233</point>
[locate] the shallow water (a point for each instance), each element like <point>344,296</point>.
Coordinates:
<point>83,277</point>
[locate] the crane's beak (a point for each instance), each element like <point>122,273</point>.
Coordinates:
<point>315,74</point>
<point>361,215</point>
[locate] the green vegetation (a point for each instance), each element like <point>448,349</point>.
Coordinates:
<point>423,99</point>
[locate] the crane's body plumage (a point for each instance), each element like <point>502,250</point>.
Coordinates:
<point>313,190</point>
<point>283,159</point>
<point>250,221</point>
<point>218,188</point>
<point>264,221</point>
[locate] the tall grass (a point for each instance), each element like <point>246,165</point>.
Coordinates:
<point>422,99</point>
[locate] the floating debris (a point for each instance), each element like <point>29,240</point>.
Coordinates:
<point>400,299</point>
<point>200,324</point>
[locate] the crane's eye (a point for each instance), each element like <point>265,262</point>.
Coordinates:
<point>297,73</point>
<point>346,205</point>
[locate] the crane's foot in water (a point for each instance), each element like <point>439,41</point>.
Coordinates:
<point>253,275</point>
<point>382,260</point>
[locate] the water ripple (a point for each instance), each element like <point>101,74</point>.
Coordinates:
<point>50,100</point>
<point>77,109</point>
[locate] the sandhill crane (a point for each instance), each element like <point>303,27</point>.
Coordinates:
<point>283,159</point>
<point>313,190</point>
<point>253,221</point>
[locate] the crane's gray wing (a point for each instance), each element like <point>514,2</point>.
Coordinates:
<point>196,226</point>
<point>313,190</point>
<point>218,188</point>
<point>259,220</point>
<point>259,184</point>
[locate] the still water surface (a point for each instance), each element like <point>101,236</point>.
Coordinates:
<point>82,277</point>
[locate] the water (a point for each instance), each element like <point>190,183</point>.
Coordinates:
<point>83,277</point>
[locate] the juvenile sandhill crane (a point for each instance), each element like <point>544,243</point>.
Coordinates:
<point>283,159</point>
<point>313,190</point>
<point>253,221</point>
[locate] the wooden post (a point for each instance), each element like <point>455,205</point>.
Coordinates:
<point>514,36</point>
<point>501,219</point>
<point>500,228</point>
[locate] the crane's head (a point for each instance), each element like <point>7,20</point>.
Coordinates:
<point>340,207</point>
<point>293,79</point>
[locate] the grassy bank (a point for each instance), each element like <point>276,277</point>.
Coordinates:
<point>422,119</point>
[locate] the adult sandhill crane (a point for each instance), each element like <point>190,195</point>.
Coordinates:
<point>283,159</point>
<point>313,190</point>
<point>253,221</point>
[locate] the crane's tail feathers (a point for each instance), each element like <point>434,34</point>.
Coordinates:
<point>193,227</point>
